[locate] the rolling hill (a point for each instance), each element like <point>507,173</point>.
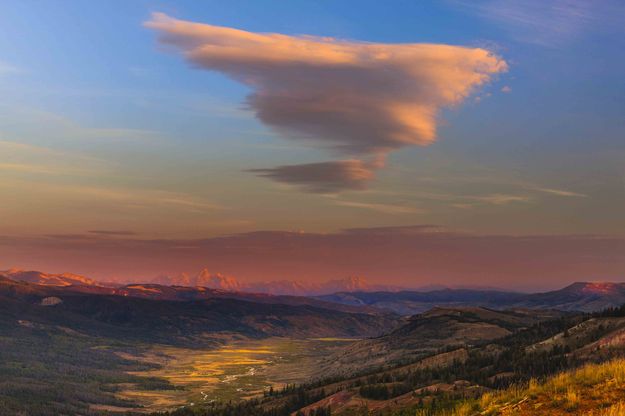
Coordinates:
<point>594,389</point>
<point>425,334</point>
<point>189,322</point>
<point>474,378</point>
<point>193,290</point>
<point>580,296</point>
<point>441,359</point>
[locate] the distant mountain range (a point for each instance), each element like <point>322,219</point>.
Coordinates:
<point>350,294</point>
<point>210,280</point>
<point>579,296</point>
<point>178,315</point>
<point>47,279</point>
<point>275,287</point>
<point>70,283</point>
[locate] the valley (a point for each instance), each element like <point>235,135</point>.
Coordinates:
<point>237,371</point>
<point>312,208</point>
<point>153,349</point>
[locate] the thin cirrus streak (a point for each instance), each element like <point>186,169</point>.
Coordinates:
<point>360,99</point>
<point>549,23</point>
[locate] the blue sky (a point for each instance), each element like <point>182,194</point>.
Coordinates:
<point>123,132</point>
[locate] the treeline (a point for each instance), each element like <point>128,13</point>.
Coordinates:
<point>319,411</point>
<point>298,398</point>
<point>481,367</point>
<point>44,371</point>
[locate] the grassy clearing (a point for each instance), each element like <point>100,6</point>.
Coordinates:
<point>592,390</point>
<point>234,372</point>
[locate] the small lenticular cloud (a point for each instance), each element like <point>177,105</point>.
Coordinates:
<point>360,99</point>
<point>323,177</point>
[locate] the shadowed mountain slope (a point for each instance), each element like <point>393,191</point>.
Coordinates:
<point>177,322</point>
<point>425,334</point>
<point>580,296</point>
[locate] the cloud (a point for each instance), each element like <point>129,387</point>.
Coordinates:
<point>356,98</point>
<point>548,22</point>
<point>40,169</point>
<point>24,122</point>
<point>116,233</point>
<point>7,69</point>
<point>383,208</point>
<point>323,177</point>
<point>117,197</point>
<point>500,199</point>
<point>561,192</point>
<point>25,159</point>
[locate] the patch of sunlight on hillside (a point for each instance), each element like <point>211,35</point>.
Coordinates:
<point>592,390</point>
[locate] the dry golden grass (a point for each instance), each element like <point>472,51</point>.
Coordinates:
<point>592,390</point>
<point>617,409</point>
<point>240,370</point>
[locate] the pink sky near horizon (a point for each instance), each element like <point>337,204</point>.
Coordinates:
<point>302,141</point>
<point>404,256</point>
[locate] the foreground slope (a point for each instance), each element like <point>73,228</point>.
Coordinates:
<point>440,380</point>
<point>427,333</point>
<point>593,390</point>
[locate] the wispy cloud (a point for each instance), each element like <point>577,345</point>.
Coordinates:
<point>548,22</point>
<point>42,169</point>
<point>143,197</point>
<point>500,199</point>
<point>360,99</point>
<point>125,197</point>
<point>27,122</point>
<point>7,69</point>
<point>560,192</point>
<point>383,208</point>
<point>28,159</point>
<point>114,233</point>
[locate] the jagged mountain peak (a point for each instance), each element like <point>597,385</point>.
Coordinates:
<point>216,280</point>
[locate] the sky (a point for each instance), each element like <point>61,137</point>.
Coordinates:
<point>409,142</point>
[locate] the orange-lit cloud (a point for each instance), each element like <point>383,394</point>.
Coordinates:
<point>360,99</point>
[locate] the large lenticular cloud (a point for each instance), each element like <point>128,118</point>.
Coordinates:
<point>362,99</point>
